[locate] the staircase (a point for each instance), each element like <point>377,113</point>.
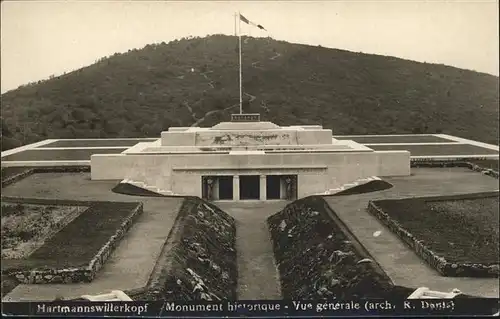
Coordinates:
<point>150,188</point>
<point>357,182</point>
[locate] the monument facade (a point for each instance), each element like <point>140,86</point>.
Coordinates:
<point>248,159</point>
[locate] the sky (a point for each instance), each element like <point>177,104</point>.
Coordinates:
<point>42,38</point>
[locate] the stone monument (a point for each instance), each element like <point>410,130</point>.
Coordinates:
<point>249,158</point>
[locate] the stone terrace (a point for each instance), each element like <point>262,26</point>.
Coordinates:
<point>78,151</point>
<point>403,266</point>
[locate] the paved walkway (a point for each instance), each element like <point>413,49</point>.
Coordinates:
<point>402,264</point>
<point>258,277</point>
<point>131,264</point>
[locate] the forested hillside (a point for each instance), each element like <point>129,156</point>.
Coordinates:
<point>195,81</point>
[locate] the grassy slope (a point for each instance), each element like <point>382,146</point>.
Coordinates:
<point>142,92</point>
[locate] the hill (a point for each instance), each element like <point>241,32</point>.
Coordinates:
<point>195,81</point>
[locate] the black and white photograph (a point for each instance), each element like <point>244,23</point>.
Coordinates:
<point>250,158</point>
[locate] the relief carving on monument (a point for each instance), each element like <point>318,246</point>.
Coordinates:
<point>291,187</point>
<point>207,187</point>
<point>288,193</point>
<point>210,187</point>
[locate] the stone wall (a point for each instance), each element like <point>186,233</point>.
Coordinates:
<point>23,172</point>
<point>8,180</point>
<point>455,163</point>
<point>170,171</point>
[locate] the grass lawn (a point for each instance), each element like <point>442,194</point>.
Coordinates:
<point>429,150</point>
<point>77,243</point>
<point>26,227</point>
<point>98,142</point>
<point>59,155</point>
<point>460,228</point>
<point>394,139</point>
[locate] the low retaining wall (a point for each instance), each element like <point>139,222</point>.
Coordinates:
<point>439,263</point>
<point>319,258</point>
<point>27,171</point>
<point>198,261</point>
<point>16,177</point>
<point>458,162</point>
<point>100,258</point>
<point>485,171</point>
<point>51,275</point>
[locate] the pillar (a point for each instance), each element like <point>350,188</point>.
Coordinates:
<point>236,187</point>
<point>262,187</point>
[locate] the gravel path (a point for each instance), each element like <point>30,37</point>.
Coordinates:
<point>258,277</point>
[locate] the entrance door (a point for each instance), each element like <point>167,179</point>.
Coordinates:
<point>250,187</point>
<point>273,187</point>
<point>225,187</point>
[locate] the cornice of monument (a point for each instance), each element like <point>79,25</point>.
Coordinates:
<point>245,126</point>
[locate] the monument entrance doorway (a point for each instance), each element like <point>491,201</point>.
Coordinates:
<point>249,187</point>
<point>225,187</point>
<point>273,187</point>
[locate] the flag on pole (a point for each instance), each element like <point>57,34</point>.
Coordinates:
<point>242,18</point>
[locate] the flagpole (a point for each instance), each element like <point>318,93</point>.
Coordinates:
<point>239,46</point>
<point>235,31</point>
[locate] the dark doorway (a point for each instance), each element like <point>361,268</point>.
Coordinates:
<point>273,187</point>
<point>225,187</point>
<point>250,187</point>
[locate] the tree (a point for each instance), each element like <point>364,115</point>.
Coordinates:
<point>9,143</point>
<point>417,130</point>
<point>340,94</point>
<point>5,130</point>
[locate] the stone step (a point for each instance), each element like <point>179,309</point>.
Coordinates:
<point>137,183</point>
<point>164,192</point>
<point>150,188</point>
<point>350,185</point>
<point>358,182</point>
